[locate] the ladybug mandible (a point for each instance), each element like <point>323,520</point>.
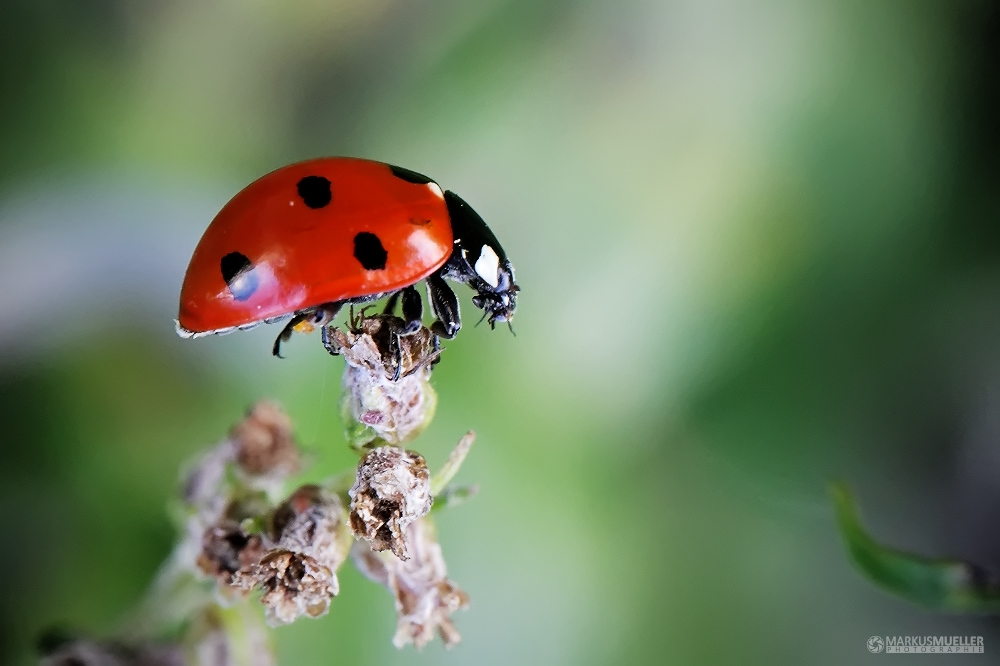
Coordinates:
<point>308,238</point>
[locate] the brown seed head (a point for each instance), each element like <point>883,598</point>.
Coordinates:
<point>313,522</point>
<point>226,549</point>
<point>299,573</point>
<point>425,597</point>
<point>392,490</point>
<point>293,584</point>
<point>264,442</point>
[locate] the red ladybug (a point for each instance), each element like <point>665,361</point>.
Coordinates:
<point>307,238</point>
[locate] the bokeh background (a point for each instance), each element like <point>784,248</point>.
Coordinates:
<point>759,250</point>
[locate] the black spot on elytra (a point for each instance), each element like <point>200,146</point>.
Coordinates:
<point>369,251</point>
<point>239,275</point>
<point>315,191</point>
<point>410,176</point>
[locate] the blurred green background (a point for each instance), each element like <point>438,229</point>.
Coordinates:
<point>759,249</point>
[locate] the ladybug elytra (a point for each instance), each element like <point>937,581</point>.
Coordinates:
<point>304,240</point>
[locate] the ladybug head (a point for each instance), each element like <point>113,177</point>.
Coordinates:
<point>498,304</point>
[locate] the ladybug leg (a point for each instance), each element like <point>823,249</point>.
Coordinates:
<point>328,342</point>
<point>307,320</point>
<point>437,351</point>
<point>413,311</point>
<point>286,332</point>
<point>444,304</point>
<point>396,350</point>
<point>325,313</point>
<point>396,328</point>
<point>390,304</point>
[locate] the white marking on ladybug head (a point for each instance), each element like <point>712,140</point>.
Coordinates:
<point>436,189</point>
<point>488,266</point>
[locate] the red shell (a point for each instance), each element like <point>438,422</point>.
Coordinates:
<point>301,256</point>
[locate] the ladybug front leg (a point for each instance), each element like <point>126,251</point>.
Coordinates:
<point>413,311</point>
<point>396,350</point>
<point>328,342</point>
<point>444,304</point>
<point>286,332</point>
<point>390,303</point>
<point>305,322</point>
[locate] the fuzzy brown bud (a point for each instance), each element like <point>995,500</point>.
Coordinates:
<point>313,522</point>
<point>299,575</point>
<point>264,443</point>
<point>425,597</point>
<point>392,490</point>
<point>226,549</point>
<point>293,585</point>
<point>225,545</point>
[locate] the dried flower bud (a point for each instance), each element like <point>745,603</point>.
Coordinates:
<point>225,546</point>
<point>293,585</point>
<point>226,549</point>
<point>299,576</point>
<point>260,446</point>
<point>425,598</point>
<point>312,522</point>
<point>264,443</point>
<point>386,379</point>
<point>392,490</point>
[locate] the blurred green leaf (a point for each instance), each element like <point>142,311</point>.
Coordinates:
<point>937,583</point>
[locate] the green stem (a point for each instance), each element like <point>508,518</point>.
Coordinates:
<point>453,464</point>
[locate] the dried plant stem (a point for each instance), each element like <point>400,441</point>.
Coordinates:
<point>241,534</point>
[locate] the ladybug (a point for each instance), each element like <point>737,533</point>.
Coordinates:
<point>308,238</point>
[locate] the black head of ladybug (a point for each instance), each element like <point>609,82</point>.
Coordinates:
<point>499,306</point>
<point>479,260</point>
